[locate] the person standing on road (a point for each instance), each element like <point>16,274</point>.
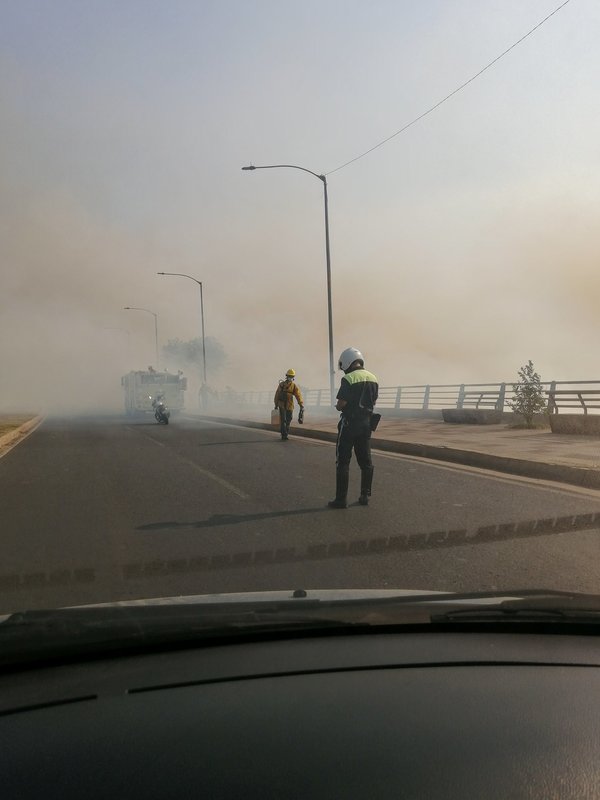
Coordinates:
<point>284,401</point>
<point>356,399</point>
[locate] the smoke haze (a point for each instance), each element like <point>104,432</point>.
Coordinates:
<point>459,250</point>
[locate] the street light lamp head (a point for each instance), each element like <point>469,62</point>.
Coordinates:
<point>249,167</point>
<point>127,308</point>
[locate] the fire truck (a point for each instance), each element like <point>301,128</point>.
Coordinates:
<point>140,388</point>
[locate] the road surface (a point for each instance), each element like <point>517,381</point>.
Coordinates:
<point>101,509</point>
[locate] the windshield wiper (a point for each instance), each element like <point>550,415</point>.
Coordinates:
<point>551,607</point>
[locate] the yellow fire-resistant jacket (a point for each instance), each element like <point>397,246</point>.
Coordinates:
<point>285,393</point>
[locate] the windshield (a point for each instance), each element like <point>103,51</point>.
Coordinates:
<point>298,296</point>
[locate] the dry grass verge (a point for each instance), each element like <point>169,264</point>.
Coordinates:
<point>9,422</point>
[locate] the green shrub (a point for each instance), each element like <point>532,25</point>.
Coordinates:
<point>528,394</point>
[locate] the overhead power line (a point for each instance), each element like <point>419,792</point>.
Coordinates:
<point>448,96</point>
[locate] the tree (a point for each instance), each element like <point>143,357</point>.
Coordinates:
<point>528,395</point>
<point>183,355</point>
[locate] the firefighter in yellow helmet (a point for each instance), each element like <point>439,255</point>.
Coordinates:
<point>284,402</point>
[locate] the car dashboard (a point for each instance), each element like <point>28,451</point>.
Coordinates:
<point>397,714</point>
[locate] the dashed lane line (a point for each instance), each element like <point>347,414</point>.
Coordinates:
<point>206,472</point>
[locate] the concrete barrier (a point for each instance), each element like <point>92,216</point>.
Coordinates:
<point>472,416</point>
<point>578,424</point>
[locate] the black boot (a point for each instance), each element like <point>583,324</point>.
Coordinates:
<point>342,477</point>
<point>366,480</point>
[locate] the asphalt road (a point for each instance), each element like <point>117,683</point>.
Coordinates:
<point>101,509</point>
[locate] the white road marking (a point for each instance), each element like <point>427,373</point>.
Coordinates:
<point>206,472</point>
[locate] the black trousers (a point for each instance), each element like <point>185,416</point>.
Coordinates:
<point>356,437</point>
<point>285,419</point>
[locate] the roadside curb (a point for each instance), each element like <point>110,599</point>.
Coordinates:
<point>10,439</point>
<point>578,476</point>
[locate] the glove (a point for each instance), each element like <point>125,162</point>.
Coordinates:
<point>301,415</point>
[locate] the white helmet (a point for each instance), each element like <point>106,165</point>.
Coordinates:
<point>348,357</point>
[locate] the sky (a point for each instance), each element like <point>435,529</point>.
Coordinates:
<point>459,250</point>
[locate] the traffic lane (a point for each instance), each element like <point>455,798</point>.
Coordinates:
<point>410,493</point>
<point>312,546</point>
<point>294,480</point>
<point>73,499</point>
<point>229,482</point>
<point>76,488</point>
<point>170,510</point>
<point>133,477</point>
<point>431,526</point>
<point>564,562</point>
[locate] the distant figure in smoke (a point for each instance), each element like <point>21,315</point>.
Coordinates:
<point>284,402</point>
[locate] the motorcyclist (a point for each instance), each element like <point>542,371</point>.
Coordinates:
<point>160,412</point>
<point>355,399</point>
<point>284,401</point>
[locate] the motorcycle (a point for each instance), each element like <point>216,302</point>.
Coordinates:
<point>161,412</point>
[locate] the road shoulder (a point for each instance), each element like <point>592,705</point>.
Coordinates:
<point>15,435</point>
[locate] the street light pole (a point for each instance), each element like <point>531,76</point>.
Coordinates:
<point>147,310</point>
<point>323,180</point>
<point>181,275</point>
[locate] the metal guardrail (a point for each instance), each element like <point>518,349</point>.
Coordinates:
<point>573,398</point>
<point>574,395</point>
<point>418,396</point>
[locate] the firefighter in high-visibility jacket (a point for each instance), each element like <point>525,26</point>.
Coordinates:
<point>356,399</point>
<point>284,402</point>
